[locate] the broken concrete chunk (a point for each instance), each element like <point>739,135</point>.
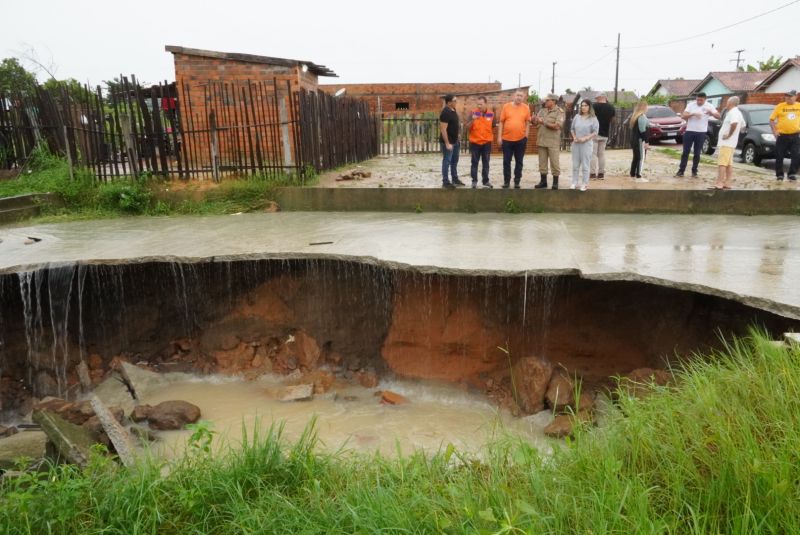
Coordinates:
<point>6,432</point>
<point>296,393</point>
<point>72,442</point>
<point>118,435</point>
<point>29,445</point>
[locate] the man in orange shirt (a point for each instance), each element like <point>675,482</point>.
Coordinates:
<point>479,127</point>
<point>512,136</point>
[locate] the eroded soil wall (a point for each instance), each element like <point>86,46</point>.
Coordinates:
<point>252,317</point>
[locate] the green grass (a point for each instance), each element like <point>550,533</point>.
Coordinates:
<point>86,198</point>
<point>719,453</point>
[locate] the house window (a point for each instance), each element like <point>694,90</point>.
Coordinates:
<point>401,106</point>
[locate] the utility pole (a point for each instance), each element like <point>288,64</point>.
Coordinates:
<point>519,80</point>
<point>616,74</point>
<point>553,80</point>
<point>738,59</point>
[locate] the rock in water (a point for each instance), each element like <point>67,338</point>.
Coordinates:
<point>560,392</point>
<point>393,398</point>
<point>170,415</point>
<point>563,425</point>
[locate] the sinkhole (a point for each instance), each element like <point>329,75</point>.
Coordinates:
<point>356,320</point>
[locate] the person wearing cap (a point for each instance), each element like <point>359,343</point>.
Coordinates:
<point>605,114</point>
<point>449,125</point>
<point>479,127</point>
<point>696,116</point>
<point>512,136</point>
<point>785,123</point>
<point>550,120</point>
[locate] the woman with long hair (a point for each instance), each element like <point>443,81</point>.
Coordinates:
<point>584,129</point>
<point>638,125</point>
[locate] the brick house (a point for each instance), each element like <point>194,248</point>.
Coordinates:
<point>209,80</point>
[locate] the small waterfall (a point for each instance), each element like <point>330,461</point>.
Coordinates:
<point>59,292</point>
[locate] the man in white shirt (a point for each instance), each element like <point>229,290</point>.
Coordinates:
<point>728,139</point>
<point>696,116</point>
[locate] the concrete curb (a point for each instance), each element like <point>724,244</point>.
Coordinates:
<point>735,202</point>
<point>19,207</point>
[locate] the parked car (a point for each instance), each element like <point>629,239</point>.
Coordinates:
<point>663,123</point>
<point>756,140</point>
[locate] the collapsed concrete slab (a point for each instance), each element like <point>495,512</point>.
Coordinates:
<point>72,442</point>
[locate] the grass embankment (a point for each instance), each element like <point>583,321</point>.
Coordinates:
<point>717,454</point>
<point>86,198</point>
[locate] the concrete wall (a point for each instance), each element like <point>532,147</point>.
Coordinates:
<point>597,201</point>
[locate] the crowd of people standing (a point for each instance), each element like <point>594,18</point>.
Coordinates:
<point>589,132</point>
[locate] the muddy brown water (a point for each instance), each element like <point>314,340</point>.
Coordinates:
<point>348,417</point>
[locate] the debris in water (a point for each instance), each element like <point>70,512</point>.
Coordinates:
<point>393,398</point>
<point>296,393</point>
<point>32,239</point>
<point>320,243</point>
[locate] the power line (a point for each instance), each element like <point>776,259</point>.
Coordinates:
<point>717,29</point>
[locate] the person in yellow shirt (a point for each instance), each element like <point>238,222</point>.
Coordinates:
<point>785,123</point>
<point>512,136</point>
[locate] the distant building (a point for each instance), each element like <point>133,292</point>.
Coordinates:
<point>677,87</point>
<point>783,79</point>
<point>718,85</point>
<point>410,97</point>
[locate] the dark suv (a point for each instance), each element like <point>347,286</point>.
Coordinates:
<point>756,140</point>
<point>663,123</point>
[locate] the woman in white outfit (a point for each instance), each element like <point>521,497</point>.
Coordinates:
<point>584,129</point>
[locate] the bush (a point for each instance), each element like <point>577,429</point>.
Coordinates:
<point>127,197</point>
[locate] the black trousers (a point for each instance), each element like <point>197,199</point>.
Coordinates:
<point>691,141</point>
<point>787,144</point>
<point>480,153</point>
<point>638,156</point>
<point>517,150</point>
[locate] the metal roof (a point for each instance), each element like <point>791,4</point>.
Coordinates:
<point>319,70</point>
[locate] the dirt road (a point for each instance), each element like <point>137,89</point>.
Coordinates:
<point>424,171</point>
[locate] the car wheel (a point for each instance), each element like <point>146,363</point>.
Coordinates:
<point>750,155</point>
<point>707,148</point>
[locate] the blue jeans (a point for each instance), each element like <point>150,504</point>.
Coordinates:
<point>692,139</point>
<point>517,150</point>
<point>449,162</point>
<point>480,153</point>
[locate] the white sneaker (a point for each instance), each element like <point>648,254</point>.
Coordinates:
<point>572,186</point>
<point>583,188</point>
<point>642,180</point>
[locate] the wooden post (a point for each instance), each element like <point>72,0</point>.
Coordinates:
<point>286,142</point>
<point>68,152</point>
<point>130,146</point>
<point>212,122</point>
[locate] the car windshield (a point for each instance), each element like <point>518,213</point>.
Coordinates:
<point>660,112</point>
<point>760,116</point>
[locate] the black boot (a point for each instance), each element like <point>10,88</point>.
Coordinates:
<point>555,182</point>
<point>542,183</point>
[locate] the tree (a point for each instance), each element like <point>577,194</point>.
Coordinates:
<point>769,64</point>
<point>569,91</point>
<point>587,88</point>
<point>75,89</point>
<point>15,78</point>
<point>533,98</point>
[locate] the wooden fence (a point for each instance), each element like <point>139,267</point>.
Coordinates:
<point>419,134</point>
<point>206,130</point>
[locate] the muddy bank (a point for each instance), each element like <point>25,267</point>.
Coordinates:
<point>357,322</point>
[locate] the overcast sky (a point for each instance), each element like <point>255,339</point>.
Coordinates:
<point>412,41</point>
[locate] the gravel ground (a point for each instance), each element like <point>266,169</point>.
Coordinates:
<point>423,171</point>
